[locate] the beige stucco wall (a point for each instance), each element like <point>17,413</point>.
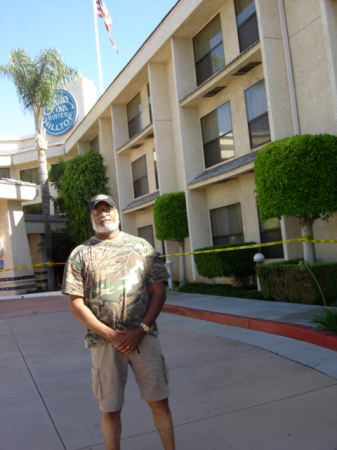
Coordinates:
<point>36,251</point>
<point>5,236</point>
<point>16,249</point>
<point>311,67</point>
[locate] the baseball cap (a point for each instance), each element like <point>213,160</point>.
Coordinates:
<point>101,198</point>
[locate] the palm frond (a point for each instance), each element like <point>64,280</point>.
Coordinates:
<point>38,80</point>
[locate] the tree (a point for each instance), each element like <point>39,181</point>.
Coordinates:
<point>37,81</point>
<point>170,221</point>
<point>297,176</point>
<point>77,181</point>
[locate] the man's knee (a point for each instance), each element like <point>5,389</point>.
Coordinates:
<point>159,406</point>
<point>111,415</point>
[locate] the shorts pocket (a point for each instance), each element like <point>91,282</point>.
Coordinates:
<point>166,373</point>
<point>96,383</point>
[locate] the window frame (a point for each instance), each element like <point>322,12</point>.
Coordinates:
<point>242,24</point>
<point>149,102</point>
<point>155,169</point>
<point>147,227</point>
<point>6,170</point>
<point>257,119</point>
<point>137,117</point>
<point>30,175</point>
<point>226,237</point>
<point>213,70</point>
<point>33,208</point>
<point>218,138</point>
<point>137,181</point>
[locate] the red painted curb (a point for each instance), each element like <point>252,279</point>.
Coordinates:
<point>290,330</point>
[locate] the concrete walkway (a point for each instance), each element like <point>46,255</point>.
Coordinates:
<point>231,387</point>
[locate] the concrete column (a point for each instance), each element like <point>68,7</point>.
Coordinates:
<point>83,147</point>
<point>274,66</point>
<point>229,32</point>
<point>311,61</point>
<point>169,162</point>
<point>329,21</point>
<point>122,163</point>
<point>107,151</point>
<point>119,125</point>
<point>191,145</point>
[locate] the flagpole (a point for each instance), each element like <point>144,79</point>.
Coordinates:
<point>98,50</point>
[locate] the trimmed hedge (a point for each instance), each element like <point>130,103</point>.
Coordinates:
<point>237,265</point>
<point>284,282</point>
<point>297,176</point>
<point>170,217</point>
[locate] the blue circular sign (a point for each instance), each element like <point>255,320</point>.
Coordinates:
<point>62,116</point>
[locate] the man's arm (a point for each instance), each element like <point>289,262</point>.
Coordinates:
<point>132,337</point>
<point>82,313</point>
<point>158,297</point>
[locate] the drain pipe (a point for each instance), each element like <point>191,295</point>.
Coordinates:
<point>289,67</point>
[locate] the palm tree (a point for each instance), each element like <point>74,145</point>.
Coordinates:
<point>37,81</point>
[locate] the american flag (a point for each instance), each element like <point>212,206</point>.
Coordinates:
<point>102,11</point>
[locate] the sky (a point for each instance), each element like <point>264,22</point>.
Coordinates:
<point>69,26</point>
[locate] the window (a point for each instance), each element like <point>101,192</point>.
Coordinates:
<point>155,168</point>
<point>257,114</point>
<point>36,208</point>
<point>217,135</point>
<point>139,176</point>
<point>208,50</point>
<point>135,119</point>
<point>30,175</point>
<point>4,173</point>
<point>94,144</point>
<point>270,231</point>
<point>227,225</point>
<point>246,21</point>
<point>149,101</point>
<point>147,234</point>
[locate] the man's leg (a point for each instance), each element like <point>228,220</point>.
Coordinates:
<point>112,428</point>
<point>163,422</point>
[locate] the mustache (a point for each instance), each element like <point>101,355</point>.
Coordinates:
<point>104,219</point>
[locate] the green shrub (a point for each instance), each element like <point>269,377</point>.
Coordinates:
<point>170,217</point>
<point>296,176</point>
<point>77,181</point>
<point>237,265</point>
<point>285,282</point>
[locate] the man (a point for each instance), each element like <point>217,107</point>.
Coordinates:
<point>115,284</point>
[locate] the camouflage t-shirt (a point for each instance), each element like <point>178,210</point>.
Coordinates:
<point>114,278</point>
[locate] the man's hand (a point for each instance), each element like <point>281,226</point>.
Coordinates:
<point>128,340</point>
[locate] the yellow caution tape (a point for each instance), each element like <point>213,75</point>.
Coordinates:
<point>32,265</point>
<point>228,249</point>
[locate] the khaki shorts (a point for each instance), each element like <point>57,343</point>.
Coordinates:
<point>110,367</point>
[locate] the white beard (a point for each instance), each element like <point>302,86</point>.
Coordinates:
<point>106,226</point>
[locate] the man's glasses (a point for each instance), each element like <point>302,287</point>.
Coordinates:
<point>105,209</point>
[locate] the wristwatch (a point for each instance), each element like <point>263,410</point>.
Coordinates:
<point>146,328</point>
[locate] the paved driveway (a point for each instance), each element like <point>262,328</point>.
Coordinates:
<point>224,394</point>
